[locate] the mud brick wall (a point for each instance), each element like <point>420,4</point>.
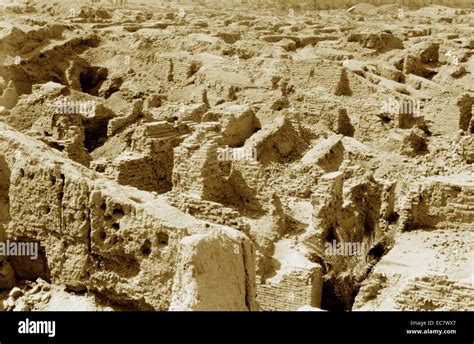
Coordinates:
<point>327,202</point>
<point>174,68</point>
<point>94,234</point>
<point>436,293</point>
<point>134,169</point>
<point>118,123</point>
<point>155,140</point>
<point>330,4</point>
<point>466,144</point>
<point>150,132</point>
<point>208,211</point>
<point>196,168</point>
<point>292,291</point>
<point>437,202</point>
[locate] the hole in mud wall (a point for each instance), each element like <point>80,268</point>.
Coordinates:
<point>393,218</point>
<point>92,78</point>
<point>118,212</point>
<point>56,146</point>
<point>95,133</point>
<point>331,235</point>
<point>57,80</point>
<point>32,264</point>
<point>146,248</point>
<point>4,196</point>
<point>163,239</point>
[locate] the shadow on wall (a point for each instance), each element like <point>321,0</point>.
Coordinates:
<point>24,266</point>
<point>27,268</point>
<point>4,199</point>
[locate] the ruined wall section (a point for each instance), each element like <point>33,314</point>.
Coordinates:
<point>148,164</point>
<point>94,234</point>
<point>206,210</point>
<point>438,202</point>
<point>57,57</point>
<point>134,169</point>
<point>174,68</point>
<point>329,4</point>
<point>204,283</point>
<point>354,210</point>
<point>196,168</point>
<point>327,206</point>
<point>298,288</point>
<point>278,141</point>
<point>362,210</point>
<point>435,293</point>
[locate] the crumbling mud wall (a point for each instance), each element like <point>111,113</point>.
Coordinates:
<point>327,4</point>
<point>212,273</point>
<point>196,168</point>
<point>96,235</point>
<point>53,63</point>
<point>7,275</point>
<point>435,293</point>
<point>351,212</point>
<point>296,289</point>
<point>438,202</point>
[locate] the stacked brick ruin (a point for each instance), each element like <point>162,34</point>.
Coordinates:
<point>299,287</point>
<point>202,183</point>
<point>438,293</point>
<point>443,201</point>
<point>349,211</point>
<point>328,4</point>
<point>196,168</point>
<point>466,125</point>
<point>326,201</point>
<point>149,164</point>
<point>354,211</point>
<point>208,211</point>
<point>98,225</point>
<point>439,202</point>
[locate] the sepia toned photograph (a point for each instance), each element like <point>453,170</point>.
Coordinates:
<point>236,155</point>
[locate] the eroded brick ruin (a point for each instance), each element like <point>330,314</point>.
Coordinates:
<point>186,156</point>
